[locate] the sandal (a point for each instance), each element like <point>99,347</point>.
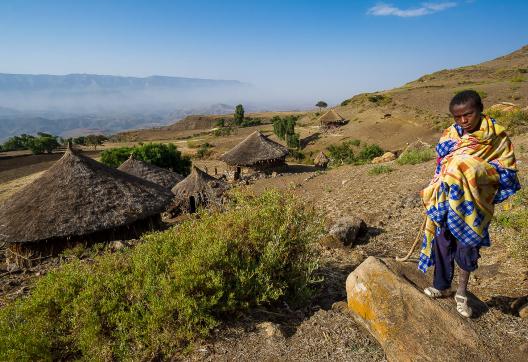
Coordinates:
<point>462,306</point>
<point>435,293</point>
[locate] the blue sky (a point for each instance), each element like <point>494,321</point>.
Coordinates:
<point>298,49</point>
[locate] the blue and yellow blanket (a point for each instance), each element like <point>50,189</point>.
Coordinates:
<point>474,172</point>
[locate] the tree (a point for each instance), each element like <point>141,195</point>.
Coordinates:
<point>95,140</point>
<point>159,154</point>
<point>81,141</point>
<point>284,128</point>
<point>44,142</point>
<point>321,105</point>
<point>239,114</point>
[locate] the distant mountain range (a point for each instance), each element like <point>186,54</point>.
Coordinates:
<point>94,82</point>
<point>84,103</point>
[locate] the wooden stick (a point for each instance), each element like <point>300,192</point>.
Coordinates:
<point>406,257</point>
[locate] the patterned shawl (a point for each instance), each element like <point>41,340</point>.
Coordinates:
<point>474,171</point>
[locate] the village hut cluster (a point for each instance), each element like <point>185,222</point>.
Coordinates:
<point>81,201</point>
<point>78,200</point>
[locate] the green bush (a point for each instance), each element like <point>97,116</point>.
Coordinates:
<point>151,301</point>
<point>164,155</point>
<point>249,122</point>
<point>204,150</point>
<point>223,131</point>
<point>413,157</point>
<point>342,153</point>
<point>517,79</point>
<point>114,157</point>
<point>43,143</point>
<point>515,220</point>
<point>379,169</point>
<point>515,121</point>
<point>348,153</point>
<point>368,152</point>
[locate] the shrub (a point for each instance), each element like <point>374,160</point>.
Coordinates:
<point>149,302</point>
<point>223,131</point>
<point>368,152</point>
<point>379,169</point>
<point>413,157</point>
<point>340,154</point>
<point>116,156</point>
<point>481,93</point>
<point>249,122</point>
<point>204,150</point>
<point>193,144</point>
<point>515,121</point>
<point>517,79</point>
<point>514,219</point>
<point>346,102</point>
<point>159,154</point>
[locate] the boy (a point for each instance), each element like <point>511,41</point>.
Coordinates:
<point>475,170</point>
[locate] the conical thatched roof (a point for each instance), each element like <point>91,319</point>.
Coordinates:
<point>152,173</point>
<point>254,149</point>
<point>78,196</point>
<point>321,160</point>
<point>203,187</point>
<point>331,117</point>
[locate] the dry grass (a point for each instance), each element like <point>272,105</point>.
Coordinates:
<point>9,188</point>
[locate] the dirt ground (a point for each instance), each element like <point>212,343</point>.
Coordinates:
<point>324,330</point>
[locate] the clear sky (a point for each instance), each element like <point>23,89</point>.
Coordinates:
<point>306,49</point>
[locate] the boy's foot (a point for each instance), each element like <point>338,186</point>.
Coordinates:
<point>462,306</point>
<point>435,293</point>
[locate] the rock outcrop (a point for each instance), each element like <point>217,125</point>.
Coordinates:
<point>386,157</point>
<point>346,230</point>
<point>386,298</point>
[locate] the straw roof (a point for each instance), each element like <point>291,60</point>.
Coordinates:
<point>78,196</point>
<point>321,160</point>
<point>163,177</point>
<point>256,148</point>
<point>331,117</point>
<point>203,187</point>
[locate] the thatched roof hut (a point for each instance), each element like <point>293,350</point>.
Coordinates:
<point>331,118</point>
<point>163,177</point>
<point>321,160</point>
<point>78,200</point>
<point>197,189</point>
<point>255,151</point>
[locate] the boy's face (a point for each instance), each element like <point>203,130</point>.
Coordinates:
<point>467,115</point>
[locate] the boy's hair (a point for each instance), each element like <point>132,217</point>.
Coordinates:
<point>465,97</point>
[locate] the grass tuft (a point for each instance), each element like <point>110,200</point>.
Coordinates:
<point>380,169</point>
<point>413,157</point>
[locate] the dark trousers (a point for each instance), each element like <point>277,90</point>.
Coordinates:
<point>447,250</point>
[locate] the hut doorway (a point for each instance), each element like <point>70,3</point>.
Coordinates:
<point>192,204</point>
<point>238,172</point>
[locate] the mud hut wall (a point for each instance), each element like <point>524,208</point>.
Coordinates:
<point>29,253</point>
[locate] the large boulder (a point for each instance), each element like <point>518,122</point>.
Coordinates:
<point>386,157</point>
<point>386,298</point>
<point>504,107</point>
<point>346,230</point>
